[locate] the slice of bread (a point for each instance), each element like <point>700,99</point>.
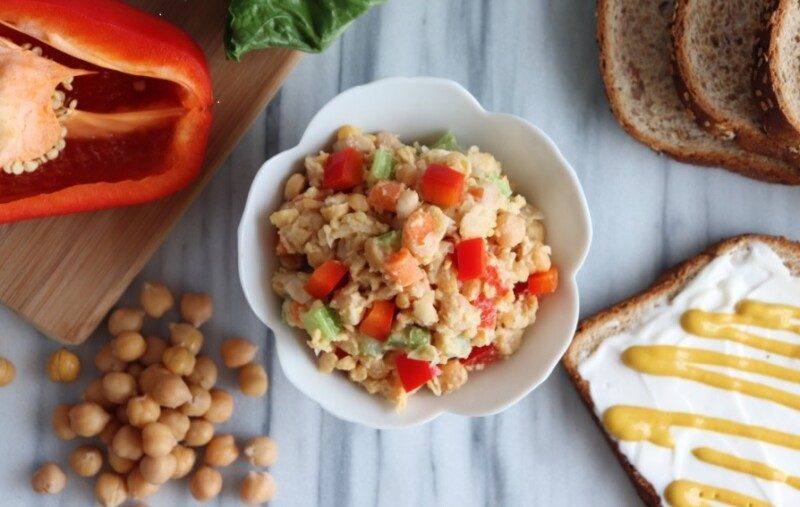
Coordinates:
<point>776,80</point>
<point>626,315</point>
<point>634,39</point>
<point>713,43</point>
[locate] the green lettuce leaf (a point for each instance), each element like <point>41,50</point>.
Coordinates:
<point>306,25</point>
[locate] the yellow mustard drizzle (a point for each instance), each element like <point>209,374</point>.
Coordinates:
<point>683,493</point>
<point>748,313</point>
<point>668,360</point>
<point>745,466</point>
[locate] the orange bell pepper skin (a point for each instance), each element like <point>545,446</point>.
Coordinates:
<point>543,283</point>
<point>442,186</point>
<point>378,321</point>
<point>325,278</point>
<point>109,35</point>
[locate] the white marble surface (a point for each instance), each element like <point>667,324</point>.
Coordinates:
<point>536,59</point>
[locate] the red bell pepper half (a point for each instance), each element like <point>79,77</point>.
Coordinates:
<point>378,322</point>
<point>343,170</point>
<point>471,258</point>
<point>543,283</point>
<point>141,101</point>
<point>481,356</point>
<point>414,373</point>
<point>442,186</point>
<point>325,278</point>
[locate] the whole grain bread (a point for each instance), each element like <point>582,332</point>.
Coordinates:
<point>635,47</point>
<point>610,322</point>
<point>776,80</point>
<point>713,43</point>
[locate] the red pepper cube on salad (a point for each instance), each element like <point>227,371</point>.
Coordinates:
<point>471,258</point>
<point>442,185</point>
<point>414,373</point>
<point>325,278</point>
<point>481,356</point>
<point>343,170</point>
<point>378,322</point>
<point>543,283</point>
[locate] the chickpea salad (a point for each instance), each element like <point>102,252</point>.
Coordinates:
<point>408,265</point>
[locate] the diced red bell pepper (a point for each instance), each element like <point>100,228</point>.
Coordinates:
<point>442,185</point>
<point>325,278</point>
<point>414,373</point>
<point>488,311</point>
<point>492,277</point>
<point>543,283</point>
<point>143,95</point>
<point>378,322</point>
<point>471,258</point>
<point>481,356</point>
<point>343,170</point>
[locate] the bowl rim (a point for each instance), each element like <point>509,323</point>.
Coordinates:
<point>333,406</point>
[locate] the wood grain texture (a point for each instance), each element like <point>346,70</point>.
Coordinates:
<point>63,274</point>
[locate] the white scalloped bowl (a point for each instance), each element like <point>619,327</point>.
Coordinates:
<point>421,108</point>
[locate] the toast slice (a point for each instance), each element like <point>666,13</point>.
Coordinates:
<point>634,38</point>
<point>776,80</point>
<point>628,314</point>
<point>713,43</point>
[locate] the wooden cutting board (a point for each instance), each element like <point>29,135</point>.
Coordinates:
<point>63,274</point>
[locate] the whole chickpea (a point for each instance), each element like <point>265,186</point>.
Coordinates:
<point>237,352</point>
<point>110,490</point>
<point>187,336</point>
<point>138,486</point>
<point>106,362</point>
<point>253,380</point>
<point>118,387</point>
<point>221,451</point>
<point>88,419</point>
<point>128,346</point>
<point>157,439</point>
<point>63,366</point>
<point>86,460</point>
<point>108,433</point>
<point>206,484</point>
<point>49,480</point>
<point>197,309</point>
<point>221,408</point>
<point>149,377</point>
<point>7,371</point>
<point>158,470</point>
<point>120,465</point>
<point>154,350</point>
<point>257,488</point>
<point>261,451</point>
<point>199,404</point>
<point>125,319</point>
<point>94,392</point>
<point>170,391</point>
<point>204,373</point>
<point>177,422</point>
<point>128,443</point>
<point>142,410</point>
<point>156,299</point>
<point>184,461</point>
<point>199,434</point>
<point>61,424</point>
<point>179,360</point>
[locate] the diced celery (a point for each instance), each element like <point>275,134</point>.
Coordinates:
<point>368,346</point>
<point>446,142</point>
<point>321,317</point>
<point>459,347</point>
<point>502,185</point>
<point>410,337</point>
<point>389,240</point>
<point>382,165</point>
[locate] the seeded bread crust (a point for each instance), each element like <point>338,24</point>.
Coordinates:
<point>766,83</point>
<point>610,322</point>
<point>634,100</point>
<point>738,117</point>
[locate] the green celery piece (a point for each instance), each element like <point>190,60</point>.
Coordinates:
<point>368,346</point>
<point>397,340</point>
<point>382,165</point>
<point>501,184</point>
<point>323,318</point>
<point>446,142</point>
<point>461,348</point>
<point>410,337</point>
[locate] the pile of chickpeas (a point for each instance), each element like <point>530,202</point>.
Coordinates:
<point>155,406</point>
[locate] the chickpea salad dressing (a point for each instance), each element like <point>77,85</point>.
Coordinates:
<point>703,397</point>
